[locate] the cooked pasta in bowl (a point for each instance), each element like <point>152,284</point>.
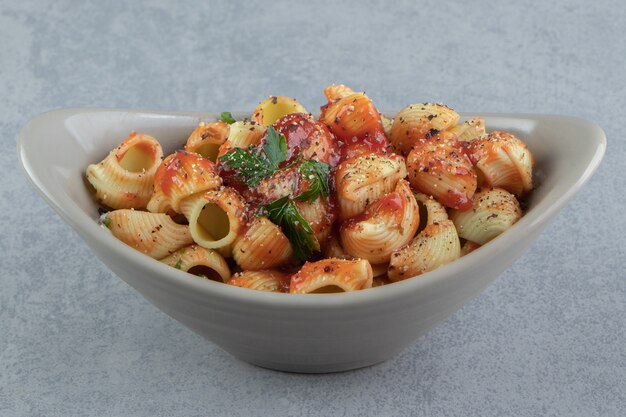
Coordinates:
<point>234,224</point>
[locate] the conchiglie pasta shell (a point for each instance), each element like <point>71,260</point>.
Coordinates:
<point>504,161</point>
<point>469,129</point>
<point>442,169</point>
<point>418,121</point>
<point>352,117</point>
<point>337,91</point>
<point>207,138</point>
<point>494,211</point>
<point>216,218</point>
<point>182,174</point>
<point>332,275</point>
<point>387,123</point>
<point>436,245</point>
<point>262,246</point>
<point>125,177</point>
<point>154,234</point>
<point>205,261</point>
<point>273,108</point>
<point>241,135</point>
<point>387,224</point>
<point>434,211</point>
<point>319,216</point>
<point>268,280</point>
<point>469,247</point>
<point>333,248</point>
<point>364,179</point>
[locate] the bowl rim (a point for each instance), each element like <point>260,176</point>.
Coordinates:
<point>162,274</point>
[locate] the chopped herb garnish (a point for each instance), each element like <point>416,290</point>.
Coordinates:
<point>253,164</point>
<point>179,263</point>
<point>317,174</point>
<point>226,117</point>
<point>284,213</point>
<point>106,222</point>
<point>250,166</point>
<point>275,147</point>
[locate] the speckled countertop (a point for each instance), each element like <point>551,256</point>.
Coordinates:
<point>547,338</point>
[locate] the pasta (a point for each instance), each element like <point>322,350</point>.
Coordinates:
<point>418,122</point>
<point>274,108</point>
<point>124,178</point>
<point>386,225</point>
<point>332,275</point>
<point>269,280</point>
<point>503,161</point>
<point>494,211</point>
<point>154,234</point>
<point>207,138</point>
<point>200,261</point>
<point>215,218</point>
<point>179,176</point>
<point>291,203</point>
<point>441,168</point>
<point>364,179</point>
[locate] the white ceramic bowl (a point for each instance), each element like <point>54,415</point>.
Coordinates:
<point>302,333</point>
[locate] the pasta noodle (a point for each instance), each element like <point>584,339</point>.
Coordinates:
<point>470,129</point>
<point>293,203</point>
<point>494,211</point>
<point>274,108</point>
<point>262,246</point>
<point>154,234</point>
<point>386,225</point>
<point>124,178</point>
<point>364,179</point>
<point>207,138</point>
<point>417,122</point>
<point>441,168</point>
<point>503,161</point>
<point>216,218</point>
<point>179,176</point>
<point>200,261</point>
<point>269,280</point>
<point>332,275</point>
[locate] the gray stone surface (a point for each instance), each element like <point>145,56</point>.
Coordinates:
<point>548,338</point>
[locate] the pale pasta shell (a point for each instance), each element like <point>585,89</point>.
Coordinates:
<point>268,280</point>
<point>503,161</point>
<point>182,174</point>
<point>200,261</point>
<point>242,134</point>
<point>207,138</point>
<point>216,218</point>
<point>124,178</point>
<point>262,246</point>
<point>436,245</point>
<point>418,121</point>
<point>387,224</point>
<point>332,275</point>
<point>364,179</point>
<point>319,216</point>
<point>494,211</point>
<point>469,129</point>
<point>273,108</point>
<point>154,234</point>
<point>433,211</point>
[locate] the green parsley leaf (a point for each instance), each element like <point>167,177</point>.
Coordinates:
<point>226,117</point>
<point>275,147</point>
<point>106,222</point>
<point>251,166</point>
<point>317,174</point>
<point>284,213</point>
<point>179,263</point>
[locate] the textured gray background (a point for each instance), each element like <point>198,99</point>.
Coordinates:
<point>548,338</point>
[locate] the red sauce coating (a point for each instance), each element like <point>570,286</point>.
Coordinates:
<point>308,137</point>
<point>183,164</point>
